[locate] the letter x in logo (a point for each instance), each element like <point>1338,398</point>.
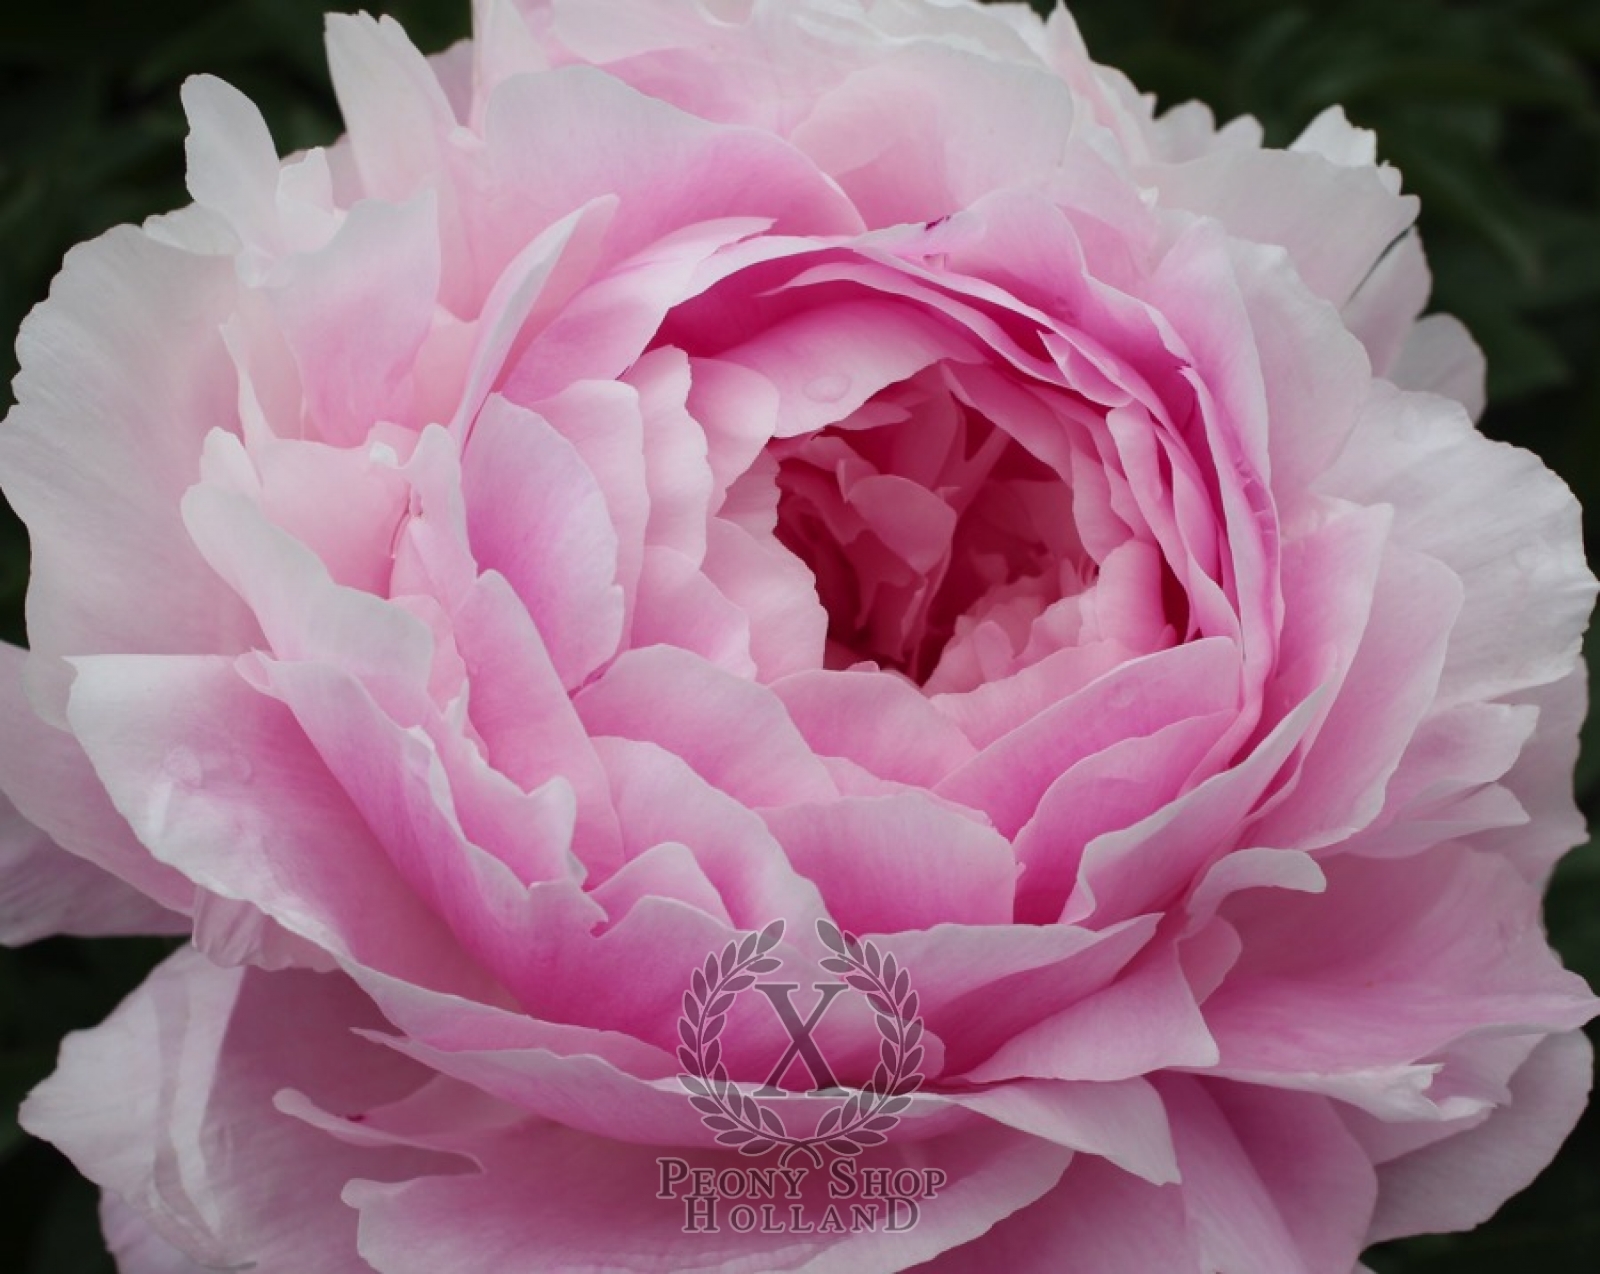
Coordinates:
<point>801,1043</point>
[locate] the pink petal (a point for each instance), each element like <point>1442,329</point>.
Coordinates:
<point>894,863</point>
<point>45,890</point>
<point>1273,1183</point>
<point>1394,961</point>
<point>1287,198</point>
<point>577,1203</point>
<point>144,1104</point>
<point>678,606</point>
<point>48,778</point>
<point>219,782</point>
<point>1147,1020</point>
<point>537,515</point>
<point>735,735</point>
<point>125,373</point>
<point>1084,1224</point>
<point>882,723</point>
<point>355,313</point>
<point>1007,779</point>
<point>659,799</point>
<point>776,593</point>
<point>1460,1182</point>
<point>1421,455</point>
<point>1122,1121</point>
<point>945,137</point>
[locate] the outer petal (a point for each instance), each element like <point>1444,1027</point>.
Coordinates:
<point>1460,1182</point>
<point>124,372</point>
<point>1273,1182</point>
<point>147,1105</point>
<point>45,890</point>
<point>553,1199</point>
<point>1098,1218</point>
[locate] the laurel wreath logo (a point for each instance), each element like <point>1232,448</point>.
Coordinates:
<point>866,1114</point>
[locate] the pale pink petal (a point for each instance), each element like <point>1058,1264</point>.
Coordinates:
<point>396,113</point>
<point>521,711</point>
<point>826,362</point>
<point>45,890</point>
<point>605,424</point>
<point>355,313</point>
<point>1460,1182</point>
<point>1147,1020</point>
<point>529,295</point>
<point>48,779</point>
<point>1007,779</point>
<point>1440,357</point>
<point>233,165</point>
<point>1287,199</point>
<point>1389,686</point>
<point>1363,988</point>
<point>302,613</point>
<point>1106,791</point>
<point>146,1104</point>
<point>775,592</point>
<point>941,142</point>
<point>980,987</point>
<point>659,799</point>
<point>1382,314</point>
<point>341,504</point>
<point>218,781</point>
<point>1122,1121</point>
<point>1098,1218</point>
<point>675,454</point>
<point>124,374</point>
<point>603,331</point>
<point>581,1204</point>
<point>678,606</point>
<point>1129,871</point>
<point>1273,1182</point>
<point>1421,455</point>
<point>1540,782</point>
<point>595,136</point>
<point>137,1248</point>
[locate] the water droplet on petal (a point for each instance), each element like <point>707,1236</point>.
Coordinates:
<point>1413,426</point>
<point>184,767</point>
<point>829,387</point>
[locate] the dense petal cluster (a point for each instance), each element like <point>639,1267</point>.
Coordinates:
<point>677,465</point>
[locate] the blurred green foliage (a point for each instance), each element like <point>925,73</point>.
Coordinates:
<point>1491,110</point>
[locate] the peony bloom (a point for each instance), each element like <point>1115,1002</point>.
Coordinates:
<point>686,470</point>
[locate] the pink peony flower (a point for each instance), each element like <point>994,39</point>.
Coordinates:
<point>683,465</point>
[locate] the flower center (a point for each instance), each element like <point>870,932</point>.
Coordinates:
<point>940,546</point>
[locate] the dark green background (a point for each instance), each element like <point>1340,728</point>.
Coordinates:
<point>1491,110</point>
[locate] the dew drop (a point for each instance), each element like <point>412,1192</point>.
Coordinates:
<point>1413,426</point>
<point>239,768</point>
<point>829,387</point>
<point>184,768</point>
<point>1530,560</point>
